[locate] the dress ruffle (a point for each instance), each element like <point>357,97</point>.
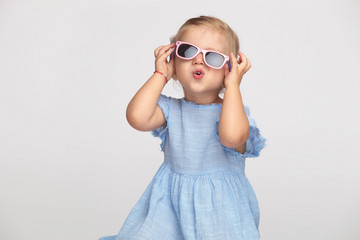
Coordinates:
<point>160,132</point>
<point>254,144</point>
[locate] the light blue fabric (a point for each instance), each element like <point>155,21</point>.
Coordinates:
<point>200,191</point>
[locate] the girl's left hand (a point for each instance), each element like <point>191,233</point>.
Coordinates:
<point>238,69</point>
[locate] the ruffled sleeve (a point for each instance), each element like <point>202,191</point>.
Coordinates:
<point>164,104</point>
<point>254,144</point>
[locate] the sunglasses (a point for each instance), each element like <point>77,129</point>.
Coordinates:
<point>213,59</point>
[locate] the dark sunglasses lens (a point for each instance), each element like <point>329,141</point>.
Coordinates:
<point>186,50</point>
<point>214,59</point>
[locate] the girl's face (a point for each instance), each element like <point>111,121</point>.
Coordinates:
<point>199,81</point>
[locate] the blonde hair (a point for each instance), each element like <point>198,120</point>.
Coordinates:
<point>215,23</point>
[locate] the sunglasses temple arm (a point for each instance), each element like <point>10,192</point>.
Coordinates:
<point>172,54</point>
<point>229,64</point>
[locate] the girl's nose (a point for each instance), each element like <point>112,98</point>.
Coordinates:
<point>199,59</point>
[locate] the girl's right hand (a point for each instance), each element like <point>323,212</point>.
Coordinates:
<point>161,64</point>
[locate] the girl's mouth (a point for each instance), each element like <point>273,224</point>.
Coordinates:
<point>198,74</point>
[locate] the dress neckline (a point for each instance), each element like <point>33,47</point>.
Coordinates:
<point>200,105</point>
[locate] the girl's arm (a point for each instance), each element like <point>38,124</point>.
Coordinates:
<point>233,123</point>
<point>142,112</point>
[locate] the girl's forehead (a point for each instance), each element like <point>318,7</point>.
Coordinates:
<point>205,37</point>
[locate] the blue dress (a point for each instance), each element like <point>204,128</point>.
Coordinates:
<point>200,191</point>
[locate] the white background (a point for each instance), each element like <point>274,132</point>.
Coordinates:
<point>72,168</point>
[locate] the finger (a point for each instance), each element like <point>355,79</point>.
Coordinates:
<point>233,61</point>
<point>165,55</point>
<point>169,54</point>
<point>240,60</point>
<point>157,50</point>
<point>160,49</point>
<point>166,48</point>
<point>246,65</point>
<point>169,51</point>
<point>243,59</point>
<point>249,65</point>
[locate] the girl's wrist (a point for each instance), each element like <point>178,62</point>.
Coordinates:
<point>163,75</point>
<point>232,85</point>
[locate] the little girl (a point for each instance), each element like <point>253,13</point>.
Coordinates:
<point>200,191</point>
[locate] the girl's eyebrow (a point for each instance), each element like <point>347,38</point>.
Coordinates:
<point>223,52</point>
<point>210,48</point>
<point>213,49</point>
